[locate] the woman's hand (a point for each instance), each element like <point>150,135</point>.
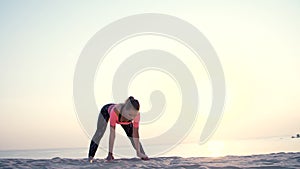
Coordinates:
<point>109,157</point>
<point>142,156</point>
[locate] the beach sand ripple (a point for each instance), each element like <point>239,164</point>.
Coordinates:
<point>274,160</point>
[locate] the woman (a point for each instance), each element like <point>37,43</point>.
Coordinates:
<point>128,116</point>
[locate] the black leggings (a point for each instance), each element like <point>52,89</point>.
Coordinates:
<point>101,127</point>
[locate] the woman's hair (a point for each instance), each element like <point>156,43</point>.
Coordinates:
<point>132,102</point>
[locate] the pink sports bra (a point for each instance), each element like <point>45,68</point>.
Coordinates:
<point>115,120</point>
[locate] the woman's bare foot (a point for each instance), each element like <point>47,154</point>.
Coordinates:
<point>110,157</point>
<point>91,159</point>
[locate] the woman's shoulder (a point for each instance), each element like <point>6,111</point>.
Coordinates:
<point>115,109</point>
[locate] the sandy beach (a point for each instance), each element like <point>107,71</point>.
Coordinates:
<point>274,160</point>
<point>278,152</point>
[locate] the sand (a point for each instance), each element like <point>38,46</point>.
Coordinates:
<point>274,160</point>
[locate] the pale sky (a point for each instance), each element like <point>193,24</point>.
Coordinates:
<point>257,43</point>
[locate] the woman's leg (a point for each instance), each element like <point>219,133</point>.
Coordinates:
<point>101,127</point>
<point>128,130</point>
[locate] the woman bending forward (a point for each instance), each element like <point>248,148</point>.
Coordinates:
<point>128,116</point>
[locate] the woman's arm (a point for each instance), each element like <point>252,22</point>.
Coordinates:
<point>112,135</point>
<point>136,139</point>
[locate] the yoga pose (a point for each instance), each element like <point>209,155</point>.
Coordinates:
<point>128,116</point>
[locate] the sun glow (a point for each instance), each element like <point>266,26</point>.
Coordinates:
<point>215,148</point>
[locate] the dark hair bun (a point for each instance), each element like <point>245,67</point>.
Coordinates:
<point>135,103</point>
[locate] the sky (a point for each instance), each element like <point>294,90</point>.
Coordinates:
<point>257,43</point>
